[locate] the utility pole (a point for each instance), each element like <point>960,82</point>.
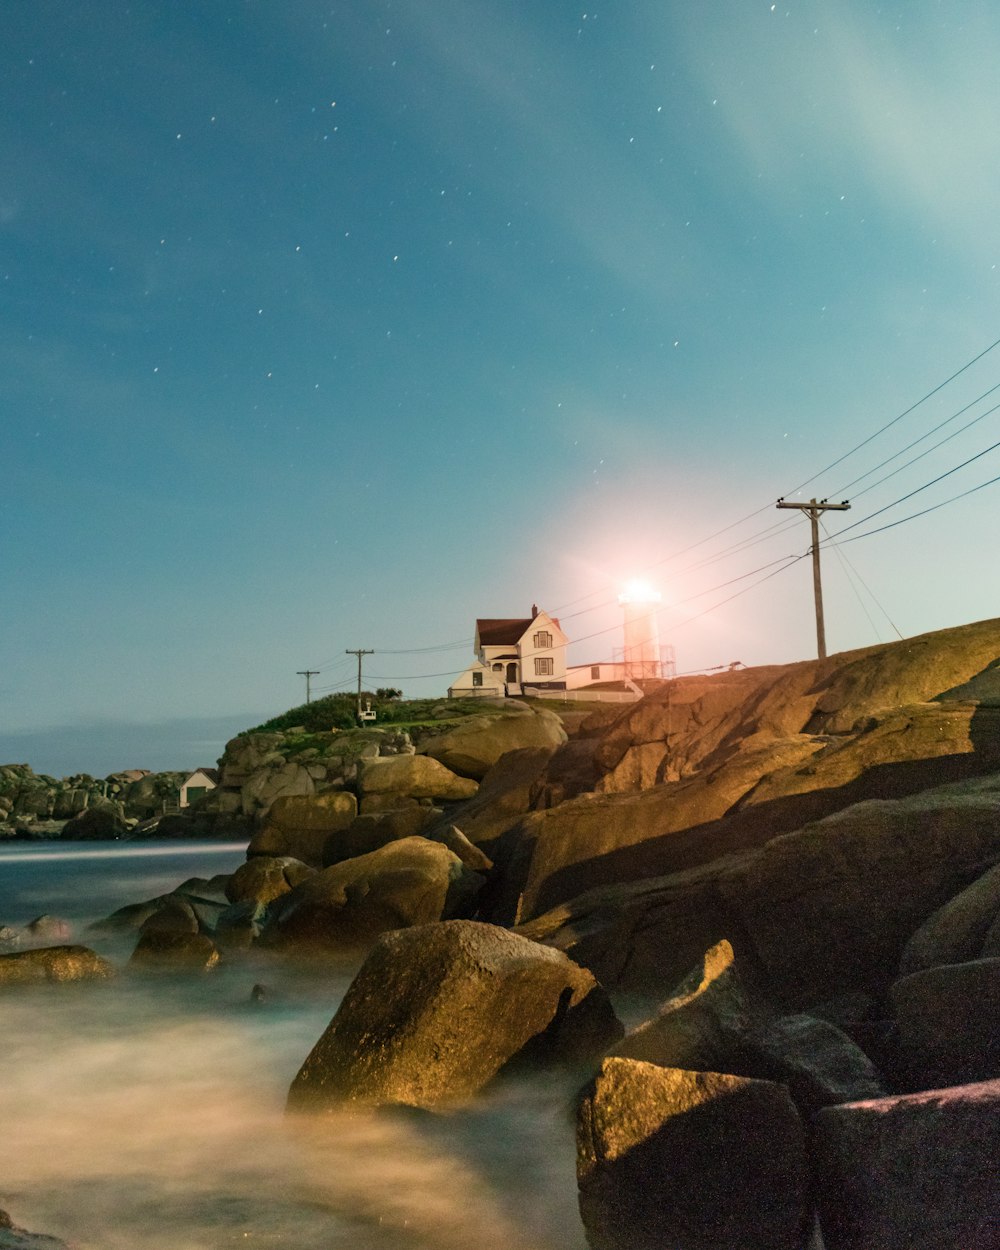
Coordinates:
<point>359,652</point>
<point>813,510</point>
<point>307,673</point>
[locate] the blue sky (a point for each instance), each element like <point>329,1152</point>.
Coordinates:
<point>335,325</point>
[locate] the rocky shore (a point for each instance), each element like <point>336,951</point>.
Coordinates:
<point>754,920</point>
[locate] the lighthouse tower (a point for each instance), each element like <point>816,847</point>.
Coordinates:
<point>642,637</point>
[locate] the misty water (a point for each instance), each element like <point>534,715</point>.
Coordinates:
<point>148,1113</point>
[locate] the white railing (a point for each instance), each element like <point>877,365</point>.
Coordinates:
<point>586,696</point>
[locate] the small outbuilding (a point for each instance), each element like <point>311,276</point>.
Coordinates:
<point>198,784</point>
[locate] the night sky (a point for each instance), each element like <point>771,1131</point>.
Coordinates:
<point>337,325</point>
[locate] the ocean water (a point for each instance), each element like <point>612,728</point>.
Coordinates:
<point>148,1114</point>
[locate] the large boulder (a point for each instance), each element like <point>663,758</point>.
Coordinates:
<point>53,964</point>
<point>597,839</point>
<point>819,1063</point>
<point>410,882</point>
<point>298,825</point>
<point>417,776</point>
<point>472,747</point>
<point>740,798</point>
<point>699,1160</point>
<point>102,820</point>
<point>436,1012</point>
<point>918,1171</point>
<point>948,1024</point>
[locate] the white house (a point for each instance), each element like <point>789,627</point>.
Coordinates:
<point>515,655</point>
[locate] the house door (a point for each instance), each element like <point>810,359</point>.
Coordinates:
<point>512,674</point>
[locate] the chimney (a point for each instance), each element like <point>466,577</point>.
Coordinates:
<point>534,610</point>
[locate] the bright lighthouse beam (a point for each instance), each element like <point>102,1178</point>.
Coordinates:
<point>637,591</point>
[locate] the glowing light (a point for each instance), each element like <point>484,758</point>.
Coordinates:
<point>638,591</point>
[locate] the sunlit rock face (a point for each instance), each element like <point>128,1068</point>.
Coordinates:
<point>916,1170</point>
<point>706,1160</point>
<point>53,964</point>
<point>417,776</point>
<point>437,1012</point>
<point>474,746</point>
<point>696,720</point>
<point>265,878</point>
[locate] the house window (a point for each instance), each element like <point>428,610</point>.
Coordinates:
<point>498,667</point>
<point>477,679</point>
<point>544,666</point>
<point>542,639</point>
<point>595,672</point>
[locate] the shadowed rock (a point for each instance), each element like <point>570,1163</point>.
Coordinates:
<point>958,931</point>
<point>160,950</point>
<point>917,1171</point>
<point>695,1028</point>
<point>948,1024</point>
<point>830,908</point>
<point>715,1021</point>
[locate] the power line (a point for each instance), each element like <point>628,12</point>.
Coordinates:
<point>903,450</point>
<point>913,516</point>
<point>933,482</point>
<point>905,413</point>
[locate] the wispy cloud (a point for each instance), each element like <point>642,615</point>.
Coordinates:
<point>898,116</point>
